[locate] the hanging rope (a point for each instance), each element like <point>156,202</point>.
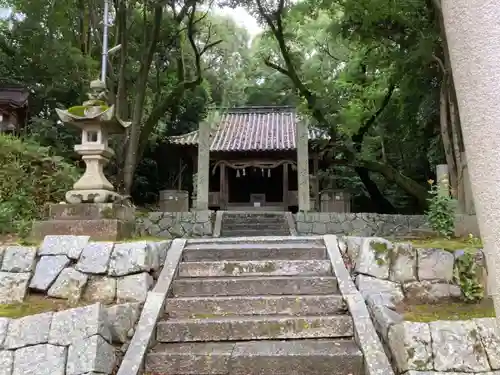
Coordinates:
<point>238,165</point>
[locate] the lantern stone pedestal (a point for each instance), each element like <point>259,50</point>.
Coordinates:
<point>100,221</point>
<point>93,208</point>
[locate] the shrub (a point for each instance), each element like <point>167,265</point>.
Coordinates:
<point>467,276</point>
<point>440,214</point>
<point>30,177</point>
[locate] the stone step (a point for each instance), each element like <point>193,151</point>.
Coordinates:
<point>293,357</point>
<point>250,251</point>
<point>206,307</point>
<point>249,227</point>
<point>253,215</point>
<point>252,286</point>
<point>264,327</point>
<point>248,230</point>
<point>256,268</point>
<point>316,240</point>
<point>255,226</point>
<point>189,358</point>
<point>250,235</point>
<point>253,219</point>
<point>251,231</point>
<point>250,219</point>
<point>311,357</point>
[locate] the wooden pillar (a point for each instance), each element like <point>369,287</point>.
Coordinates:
<point>222,186</point>
<point>285,186</point>
<point>302,139</point>
<point>226,188</point>
<point>203,175</point>
<point>179,183</point>
<point>195,162</point>
<point>317,201</point>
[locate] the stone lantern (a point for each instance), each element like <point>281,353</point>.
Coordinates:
<point>97,122</point>
<point>93,206</point>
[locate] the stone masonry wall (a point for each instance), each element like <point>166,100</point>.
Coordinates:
<point>176,224</point>
<point>71,342</point>
<point>387,274</point>
<point>73,268</point>
<point>357,224</point>
<point>371,224</point>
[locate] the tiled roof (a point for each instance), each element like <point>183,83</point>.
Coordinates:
<point>15,97</point>
<point>252,129</point>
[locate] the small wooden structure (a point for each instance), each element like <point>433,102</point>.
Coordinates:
<point>13,109</point>
<point>253,160</point>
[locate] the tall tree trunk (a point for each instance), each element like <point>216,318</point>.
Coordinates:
<point>453,142</point>
<point>382,205</point>
<point>131,157</point>
<point>445,133</point>
<point>410,186</point>
<point>458,190</point>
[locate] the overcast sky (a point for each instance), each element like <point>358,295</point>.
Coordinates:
<point>240,15</point>
<point>243,18</point>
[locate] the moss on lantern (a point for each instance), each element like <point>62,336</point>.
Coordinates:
<point>79,110</point>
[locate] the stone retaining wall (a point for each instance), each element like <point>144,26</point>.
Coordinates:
<point>201,224</point>
<point>73,268</point>
<point>71,342</point>
<point>386,275</point>
<point>176,224</point>
<point>357,224</point>
<point>370,224</point>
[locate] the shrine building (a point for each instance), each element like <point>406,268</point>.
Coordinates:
<point>257,158</point>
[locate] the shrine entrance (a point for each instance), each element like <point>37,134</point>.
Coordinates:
<point>255,184</point>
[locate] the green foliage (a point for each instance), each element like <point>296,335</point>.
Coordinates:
<point>29,178</point>
<point>426,313</point>
<point>61,138</point>
<point>380,251</point>
<point>441,212</point>
<point>468,277</point>
<point>345,53</point>
<point>79,110</point>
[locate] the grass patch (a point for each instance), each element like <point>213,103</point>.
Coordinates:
<point>448,311</point>
<point>452,244</point>
<point>36,304</point>
<point>14,240</point>
<point>144,238</point>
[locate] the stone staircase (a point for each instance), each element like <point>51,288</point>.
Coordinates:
<point>243,307</point>
<point>249,224</point>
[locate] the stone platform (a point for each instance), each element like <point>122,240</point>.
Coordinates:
<point>100,221</point>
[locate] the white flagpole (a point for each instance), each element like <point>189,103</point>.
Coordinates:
<point>105,42</point>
